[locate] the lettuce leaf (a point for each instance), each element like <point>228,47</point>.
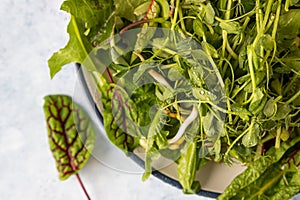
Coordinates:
<point>88,19</point>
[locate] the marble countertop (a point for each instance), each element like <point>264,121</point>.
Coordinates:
<point>30,32</point>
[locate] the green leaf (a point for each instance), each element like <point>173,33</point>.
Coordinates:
<point>267,42</point>
<point>231,27</point>
<point>212,126</point>
<point>292,61</point>
<point>251,138</point>
<point>242,112</point>
<point>282,112</point>
<point>142,9</point>
<point>165,8</point>
<point>198,27</point>
<point>71,134</point>
<point>120,118</point>
<point>187,168</point>
<point>91,12</point>
<point>257,100</point>
<point>156,137</point>
<point>88,20</point>
<point>270,107</point>
<point>263,174</point>
<point>126,8</point>
<point>288,29</point>
<point>77,49</point>
<point>209,13</point>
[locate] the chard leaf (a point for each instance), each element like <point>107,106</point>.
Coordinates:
<point>71,134</point>
<point>120,118</point>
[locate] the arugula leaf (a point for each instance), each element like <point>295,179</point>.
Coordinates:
<point>71,134</point>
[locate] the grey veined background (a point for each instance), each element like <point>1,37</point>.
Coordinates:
<point>29,32</point>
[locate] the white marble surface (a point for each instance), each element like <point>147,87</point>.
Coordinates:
<point>30,31</point>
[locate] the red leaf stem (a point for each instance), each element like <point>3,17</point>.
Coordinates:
<point>149,9</point>
<point>82,186</point>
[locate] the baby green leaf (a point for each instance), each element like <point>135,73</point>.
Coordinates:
<point>71,134</point>
<point>156,137</point>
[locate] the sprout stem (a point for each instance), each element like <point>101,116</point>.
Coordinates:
<point>184,125</point>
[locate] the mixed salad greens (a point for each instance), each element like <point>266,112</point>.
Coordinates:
<point>220,82</point>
